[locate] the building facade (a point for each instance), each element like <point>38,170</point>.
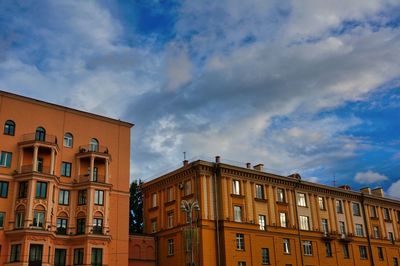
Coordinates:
<point>142,250</point>
<point>64,185</point>
<point>249,217</point>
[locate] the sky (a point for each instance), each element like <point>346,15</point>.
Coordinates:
<point>301,86</point>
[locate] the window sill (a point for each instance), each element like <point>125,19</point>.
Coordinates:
<point>237,196</point>
<point>188,196</point>
<point>374,218</point>
<point>260,200</point>
<point>240,250</point>
<point>153,208</point>
<point>282,203</point>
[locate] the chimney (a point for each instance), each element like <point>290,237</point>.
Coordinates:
<point>345,187</point>
<point>295,176</point>
<point>259,167</point>
<point>248,165</point>
<point>366,190</point>
<point>185,162</point>
<point>217,159</point>
<point>378,192</point>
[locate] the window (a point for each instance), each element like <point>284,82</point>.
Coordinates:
<point>2,214</point>
<point>170,194</point>
<point>386,214</point>
<point>328,249</point>
<point>376,232</point>
<point>62,226</point>
<point>35,254</point>
<point>154,200</point>
<point>40,134</point>
<point>363,252</point>
<point>241,263</point>
<point>398,216</point>
<point>41,190</point>
<point>19,219</point>
<point>3,189</point>
<point>359,230</point>
<point>259,191</point>
<point>170,220</point>
<point>391,237</point>
<point>94,145</point>
<point>342,227</point>
<point>38,219</point>
<point>80,226</point>
<point>380,253</point>
<point>373,212</point>
<point>187,188</point>
<point>170,246</point>
<point>78,256</point>
<point>339,206</point>
<point>97,256</point>
<point>63,197</point>
<point>68,140</point>
<point>395,261</point>
<point>265,256</point>
<point>301,200</point>
<point>240,241</point>
<point>236,187</point>
<point>97,226</point>
<point>307,248</point>
<point>9,128</point>
<point>5,159</point>
<point>286,246</point>
<point>154,225</point>
<point>304,223</point>
<point>66,169</point>
<point>280,193</point>
<point>324,223</point>
<point>60,257</point>
<point>282,219</point>
<point>346,253</point>
<point>23,190</point>
<point>98,197</point>
<point>15,254</point>
<point>261,222</point>
<point>321,202</point>
<point>237,210</point>
<point>40,165</point>
<point>82,197</point>
<point>356,209</point>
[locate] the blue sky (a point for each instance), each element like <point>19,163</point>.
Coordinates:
<point>311,87</point>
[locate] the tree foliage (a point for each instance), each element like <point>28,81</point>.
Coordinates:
<point>136,208</point>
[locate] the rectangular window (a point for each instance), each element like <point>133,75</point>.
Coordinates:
<point>261,222</point>
<point>304,223</point>
<point>376,232</point>
<point>391,237</point>
<point>307,248</point>
<point>259,191</point>
<point>170,194</point>
<point>380,253</point>
<point>15,254</point>
<point>356,209</point>
<point>19,220</point>
<point>35,254</point>
<point>154,200</point>
<point>282,219</point>
<point>23,190</point>
<point>187,188</point>
<point>363,252</point>
<point>324,223</point>
<point>398,216</point>
<point>62,226</point>
<point>236,187</point>
<point>60,257</point>
<point>395,261</point>
<point>386,214</point>
<point>359,230</point>
<point>342,227</point>
<point>98,197</point>
<point>241,263</point>
<point>339,206</point>
<point>237,210</point>
<point>265,256</point>
<point>41,190</point>
<point>280,194</point>
<point>63,197</point>
<point>286,246</point>
<point>82,197</point>
<point>170,247</point>
<point>38,219</point>
<point>321,202</point>
<point>80,226</point>
<point>66,169</point>
<point>5,159</point>
<point>154,225</point>
<point>2,214</point>
<point>170,220</point>
<point>97,256</point>
<point>78,256</point>
<point>98,226</point>
<point>346,253</point>
<point>301,200</point>
<point>328,249</point>
<point>373,212</point>
<point>3,189</point>
<point>240,241</point>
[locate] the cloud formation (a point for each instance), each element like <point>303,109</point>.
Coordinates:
<point>369,177</point>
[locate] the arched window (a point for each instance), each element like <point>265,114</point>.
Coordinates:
<point>40,134</point>
<point>20,217</point>
<point>68,140</point>
<point>9,128</point>
<point>94,145</point>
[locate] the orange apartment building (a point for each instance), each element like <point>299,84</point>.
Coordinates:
<point>64,185</point>
<point>248,217</point>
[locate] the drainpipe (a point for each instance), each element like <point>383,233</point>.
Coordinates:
<point>367,230</point>
<point>216,209</point>
<point>297,184</point>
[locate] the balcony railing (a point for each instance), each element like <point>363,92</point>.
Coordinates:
<point>40,169</point>
<point>93,148</point>
<point>41,138</point>
<point>96,178</point>
<point>97,230</point>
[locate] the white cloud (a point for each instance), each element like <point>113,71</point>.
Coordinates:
<point>394,189</point>
<point>369,177</point>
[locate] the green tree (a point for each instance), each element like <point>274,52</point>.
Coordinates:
<point>136,208</point>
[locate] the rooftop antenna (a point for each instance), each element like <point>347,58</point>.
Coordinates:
<point>334,180</point>
<point>184,156</point>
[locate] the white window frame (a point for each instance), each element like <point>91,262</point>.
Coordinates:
<point>262,221</point>
<point>236,187</point>
<point>286,245</point>
<point>170,247</point>
<point>304,222</point>
<point>283,219</point>
<point>240,242</point>
<point>237,212</point>
<point>301,199</point>
<point>307,248</point>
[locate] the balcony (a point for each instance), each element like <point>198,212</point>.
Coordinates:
<point>97,230</point>
<point>33,137</point>
<point>96,179</point>
<point>93,148</point>
<point>328,236</point>
<point>345,238</point>
<point>41,169</point>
